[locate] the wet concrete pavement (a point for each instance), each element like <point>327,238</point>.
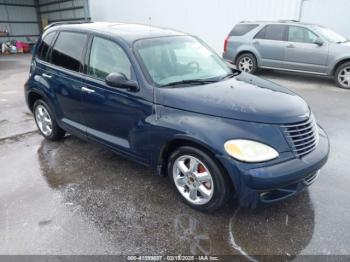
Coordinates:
<point>73,197</point>
<point>14,116</point>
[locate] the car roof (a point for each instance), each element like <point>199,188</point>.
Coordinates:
<point>128,32</point>
<point>290,22</point>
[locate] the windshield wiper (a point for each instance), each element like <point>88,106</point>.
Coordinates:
<point>230,75</point>
<point>190,82</point>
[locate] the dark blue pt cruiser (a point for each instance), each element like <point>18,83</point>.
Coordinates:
<point>165,99</point>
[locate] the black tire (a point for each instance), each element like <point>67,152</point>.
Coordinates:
<point>57,132</point>
<point>252,58</point>
<point>337,77</point>
<point>221,182</point>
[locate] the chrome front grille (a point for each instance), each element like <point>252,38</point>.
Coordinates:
<point>302,136</point>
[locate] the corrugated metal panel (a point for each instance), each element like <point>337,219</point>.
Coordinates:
<point>24,2</point>
<point>210,20</point>
<point>67,10</point>
<point>3,13</point>
<point>16,14</point>
<point>21,13</point>
<point>25,29</point>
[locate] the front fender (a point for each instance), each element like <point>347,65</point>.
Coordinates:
<point>208,131</point>
<point>335,62</point>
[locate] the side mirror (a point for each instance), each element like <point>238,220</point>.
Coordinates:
<point>119,80</point>
<point>319,42</point>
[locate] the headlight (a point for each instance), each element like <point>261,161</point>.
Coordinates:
<point>250,151</point>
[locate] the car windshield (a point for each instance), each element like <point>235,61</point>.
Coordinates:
<point>180,60</point>
<point>330,35</point>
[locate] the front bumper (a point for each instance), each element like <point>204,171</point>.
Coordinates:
<point>273,183</point>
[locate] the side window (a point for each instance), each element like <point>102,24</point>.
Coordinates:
<point>242,29</point>
<point>108,57</point>
<point>68,49</point>
<point>272,32</point>
<point>45,46</point>
<point>261,33</point>
<point>301,35</point>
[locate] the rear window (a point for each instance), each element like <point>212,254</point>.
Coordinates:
<point>45,46</point>
<point>242,29</point>
<point>68,49</point>
<point>273,32</point>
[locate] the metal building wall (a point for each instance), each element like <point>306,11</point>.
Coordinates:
<point>63,10</point>
<point>23,18</point>
<point>331,13</point>
<point>210,20</point>
<point>19,18</point>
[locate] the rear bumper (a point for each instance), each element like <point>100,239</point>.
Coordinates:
<point>273,183</point>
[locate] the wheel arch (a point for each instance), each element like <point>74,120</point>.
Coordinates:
<point>339,63</point>
<point>178,142</point>
<point>34,96</point>
<point>247,52</point>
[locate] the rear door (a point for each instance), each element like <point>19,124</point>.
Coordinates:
<point>302,54</point>
<point>41,62</point>
<point>65,78</point>
<point>271,45</point>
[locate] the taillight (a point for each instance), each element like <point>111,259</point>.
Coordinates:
<point>225,44</point>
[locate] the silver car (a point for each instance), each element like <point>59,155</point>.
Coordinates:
<point>290,46</point>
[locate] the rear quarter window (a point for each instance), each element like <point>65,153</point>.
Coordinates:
<point>242,29</point>
<point>45,45</point>
<point>68,50</point>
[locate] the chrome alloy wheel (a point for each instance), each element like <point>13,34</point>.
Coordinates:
<point>245,64</point>
<point>43,120</point>
<point>344,77</point>
<point>193,180</point>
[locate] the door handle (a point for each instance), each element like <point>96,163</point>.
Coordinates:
<point>46,75</point>
<point>291,46</point>
<point>87,90</point>
<point>256,42</point>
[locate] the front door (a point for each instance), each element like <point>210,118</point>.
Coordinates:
<point>113,116</point>
<point>302,54</point>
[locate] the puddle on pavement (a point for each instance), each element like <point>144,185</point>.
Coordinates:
<point>141,212</point>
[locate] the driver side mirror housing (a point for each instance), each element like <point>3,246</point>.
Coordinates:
<point>319,41</point>
<point>119,80</point>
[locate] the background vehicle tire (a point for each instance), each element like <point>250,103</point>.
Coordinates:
<point>46,122</point>
<point>198,179</point>
<point>342,76</point>
<point>247,63</point>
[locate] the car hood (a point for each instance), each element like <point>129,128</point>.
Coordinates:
<point>245,97</point>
